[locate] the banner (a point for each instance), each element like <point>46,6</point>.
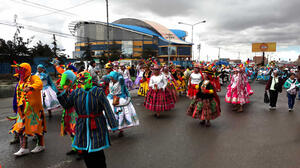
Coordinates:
<point>264,47</point>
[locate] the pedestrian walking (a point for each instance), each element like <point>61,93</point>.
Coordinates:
<point>292,85</point>
<point>274,86</point>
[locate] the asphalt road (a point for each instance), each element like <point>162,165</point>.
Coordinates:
<point>256,138</point>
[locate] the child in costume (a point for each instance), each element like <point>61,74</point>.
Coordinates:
<point>144,83</point>
<point>158,99</point>
<point>49,98</point>
<point>91,133</point>
<point>30,113</point>
<point>206,106</point>
<point>120,102</point>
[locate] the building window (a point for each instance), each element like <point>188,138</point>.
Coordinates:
<point>127,49</point>
<point>164,50</point>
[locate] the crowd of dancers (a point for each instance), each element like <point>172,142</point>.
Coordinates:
<point>95,105</point>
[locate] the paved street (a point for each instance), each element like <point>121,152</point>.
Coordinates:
<point>257,138</point>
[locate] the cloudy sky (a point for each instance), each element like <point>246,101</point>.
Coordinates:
<point>232,25</point>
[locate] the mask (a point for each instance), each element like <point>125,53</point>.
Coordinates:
<point>85,79</point>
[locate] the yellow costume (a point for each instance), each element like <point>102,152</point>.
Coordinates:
<point>30,115</point>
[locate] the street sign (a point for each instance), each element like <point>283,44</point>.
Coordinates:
<point>264,47</point>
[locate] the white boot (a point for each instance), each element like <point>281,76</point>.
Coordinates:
<point>38,149</point>
<point>22,152</point>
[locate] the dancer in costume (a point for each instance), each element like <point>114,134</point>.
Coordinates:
<point>120,102</point>
<point>144,83</point>
<point>179,77</point>
<point>30,113</point>
<point>69,115</point>
<point>126,75</point>
<point>206,106</point>
<point>171,83</point>
<point>292,85</point>
<point>158,99</point>
<point>49,98</point>
<point>139,77</point>
<point>239,90</point>
<point>195,79</point>
<point>104,81</point>
<point>91,133</point>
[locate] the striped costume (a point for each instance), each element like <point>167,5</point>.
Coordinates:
<point>91,132</point>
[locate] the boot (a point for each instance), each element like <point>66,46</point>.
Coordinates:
<point>240,109</point>
<point>235,107</point>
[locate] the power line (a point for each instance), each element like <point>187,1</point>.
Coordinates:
<point>45,31</point>
<point>43,7</point>
<point>59,10</point>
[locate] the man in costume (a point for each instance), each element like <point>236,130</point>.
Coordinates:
<point>91,133</point>
<point>30,113</point>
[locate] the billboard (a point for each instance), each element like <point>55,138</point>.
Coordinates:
<point>264,47</point>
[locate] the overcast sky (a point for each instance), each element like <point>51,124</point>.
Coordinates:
<point>231,25</point>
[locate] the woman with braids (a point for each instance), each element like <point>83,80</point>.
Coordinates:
<point>206,106</point>
<point>158,99</point>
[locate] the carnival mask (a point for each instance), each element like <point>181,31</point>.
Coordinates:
<point>85,79</point>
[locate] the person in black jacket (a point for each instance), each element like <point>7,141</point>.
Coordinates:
<point>274,86</point>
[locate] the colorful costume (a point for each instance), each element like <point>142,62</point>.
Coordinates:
<point>139,77</point>
<point>49,98</point>
<point>30,113</point>
<point>69,116</point>
<point>144,86</point>
<point>91,133</point>
<point>195,79</point>
<point>239,90</point>
<point>158,98</point>
<point>206,106</point>
<point>127,78</point>
<point>171,85</point>
<point>124,111</point>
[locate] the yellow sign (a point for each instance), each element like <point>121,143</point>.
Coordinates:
<point>263,47</point>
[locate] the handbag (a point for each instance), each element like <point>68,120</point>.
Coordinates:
<point>266,98</point>
<point>116,100</point>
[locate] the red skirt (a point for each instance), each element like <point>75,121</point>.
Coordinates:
<point>192,91</point>
<point>160,100</point>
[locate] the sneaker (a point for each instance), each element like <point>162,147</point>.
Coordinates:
<point>290,110</point>
<point>22,152</point>
<point>273,108</point>
<point>38,149</point>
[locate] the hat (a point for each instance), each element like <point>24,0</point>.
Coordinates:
<point>108,66</point>
<point>156,67</point>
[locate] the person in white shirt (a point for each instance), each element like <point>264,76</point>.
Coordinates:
<point>126,75</point>
<point>158,97</point>
<point>94,72</point>
<point>195,79</point>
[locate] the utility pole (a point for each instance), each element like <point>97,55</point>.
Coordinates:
<point>199,48</point>
<point>107,28</point>
<point>54,46</point>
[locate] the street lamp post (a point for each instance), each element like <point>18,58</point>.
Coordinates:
<point>192,25</point>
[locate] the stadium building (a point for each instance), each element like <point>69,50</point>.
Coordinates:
<point>132,37</point>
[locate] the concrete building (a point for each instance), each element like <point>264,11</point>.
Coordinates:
<point>132,37</point>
